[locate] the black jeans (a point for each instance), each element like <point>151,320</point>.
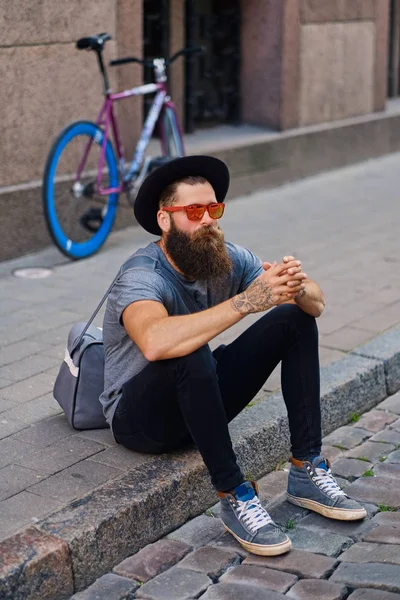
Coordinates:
<point>174,402</point>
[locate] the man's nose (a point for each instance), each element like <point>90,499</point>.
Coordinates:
<point>206,219</point>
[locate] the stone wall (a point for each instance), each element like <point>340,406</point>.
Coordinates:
<point>313,61</point>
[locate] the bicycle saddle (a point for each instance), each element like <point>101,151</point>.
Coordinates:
<point>95,42</point>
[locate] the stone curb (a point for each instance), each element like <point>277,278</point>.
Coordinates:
<point>124,515</point>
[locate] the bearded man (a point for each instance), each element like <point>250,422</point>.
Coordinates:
<point>165,388</point>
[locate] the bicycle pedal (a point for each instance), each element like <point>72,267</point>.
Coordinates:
<point>92,219</point>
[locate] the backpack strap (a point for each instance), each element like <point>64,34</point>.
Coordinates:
<point>136,261</point>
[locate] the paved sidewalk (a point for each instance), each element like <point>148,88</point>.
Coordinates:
<point>329,558</point>
<point>343,225</point>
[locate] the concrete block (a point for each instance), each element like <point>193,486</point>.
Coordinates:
<point>394,457</point>
<point>75,481</point>
<point>347,338</point>
<point>368,594</point>
<point>34,411</point>
<point>227,542</point>
<point>350,468</point>
<point>375,490</point>
<point>211,561</point>
<point>385,347</point>
<point>101,436</point>
<point>373,575</point>
<point>12,448</point>
<point>20,350</point>
<point>392,404</point>
<point>30,388</point>
<point>120,457</point>
<point>364,552</point>
<point>370,450</point>
<point>260,576</point>
<point>26,367</point>
<point>283,512</point>
<point>314,589</point>
<point>347,437</point>
<point>317,541</point>
<point>109,586</point>
<point>390,436</point>
<point>4,382</point>
<point>299,562</point>
<point>375,420</point>
<point>15,479</point>
<point>35,566</point>
<point>233,591</point>
<point>199,531</point>
<point>387,530</point>
<point>45,433</point>
<point>60,455</point>
<point>272,486</point>
<point>349,529</point>
<point>175,584</point>
<point>152,560</point>
<point>22,510</point>
<point>388,470</point>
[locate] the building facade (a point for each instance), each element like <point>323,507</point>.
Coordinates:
<point>277,64</point>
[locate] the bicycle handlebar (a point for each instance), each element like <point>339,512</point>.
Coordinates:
<point>148,62</point>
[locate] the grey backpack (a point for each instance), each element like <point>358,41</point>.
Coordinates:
<point>80,380</point>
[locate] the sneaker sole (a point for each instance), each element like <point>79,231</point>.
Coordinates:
<point>263,550</point>
<point>341,514</point>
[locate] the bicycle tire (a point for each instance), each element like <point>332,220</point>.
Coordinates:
<point>62,149</point>
<point>171,139</point>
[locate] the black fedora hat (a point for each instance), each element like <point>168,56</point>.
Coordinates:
<point>147,200</point>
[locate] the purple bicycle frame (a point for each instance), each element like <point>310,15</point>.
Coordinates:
<point>107,118</point>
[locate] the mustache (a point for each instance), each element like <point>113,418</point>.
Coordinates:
<point>208,230</point>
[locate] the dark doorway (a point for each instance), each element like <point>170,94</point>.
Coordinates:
<point>155,38</point>
<point>394,50</point>
<point>213,78</point>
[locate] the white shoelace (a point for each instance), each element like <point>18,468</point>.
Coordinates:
<point>327,483</point>
<point>253,514</point>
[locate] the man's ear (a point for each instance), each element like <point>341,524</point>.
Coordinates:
<point>164,221</point>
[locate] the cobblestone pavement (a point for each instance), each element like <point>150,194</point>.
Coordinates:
<point>330,560</point>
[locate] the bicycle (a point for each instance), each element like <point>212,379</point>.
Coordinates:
<point>84,154</point>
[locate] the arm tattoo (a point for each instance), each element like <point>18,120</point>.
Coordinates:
<point>257,298</point>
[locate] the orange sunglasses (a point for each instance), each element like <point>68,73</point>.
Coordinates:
<point>195,212</point>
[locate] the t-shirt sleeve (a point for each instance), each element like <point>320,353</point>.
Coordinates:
<point>251,267</point>
<point>137,284</point>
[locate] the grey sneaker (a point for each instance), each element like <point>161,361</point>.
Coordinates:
<point>245,518</point>
<point>312,486</point>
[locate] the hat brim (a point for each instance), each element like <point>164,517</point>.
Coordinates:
<point>146,204</point>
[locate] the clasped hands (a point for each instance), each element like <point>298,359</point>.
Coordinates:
<point>286,277</point>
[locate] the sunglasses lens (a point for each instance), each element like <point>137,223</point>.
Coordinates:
<point>216,210</point>
<point>195,212</point>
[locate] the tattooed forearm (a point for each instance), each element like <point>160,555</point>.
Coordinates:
<point>257,298</point>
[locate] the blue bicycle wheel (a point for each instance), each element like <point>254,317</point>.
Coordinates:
<point>78,218</point>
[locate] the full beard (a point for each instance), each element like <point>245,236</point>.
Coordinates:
<point>200,255</point>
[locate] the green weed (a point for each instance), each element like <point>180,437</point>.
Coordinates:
<point>291,524</point>
<point>385,508</point>
<point>354,417</point>
<point>368,473</point>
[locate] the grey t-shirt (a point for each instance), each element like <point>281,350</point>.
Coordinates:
<point>123,359</point>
